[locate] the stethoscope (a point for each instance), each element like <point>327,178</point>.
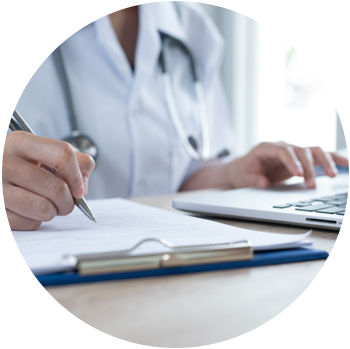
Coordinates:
<point>85,144</point>
<point>189,142</point>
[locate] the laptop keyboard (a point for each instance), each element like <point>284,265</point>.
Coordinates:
<point>327,204</point>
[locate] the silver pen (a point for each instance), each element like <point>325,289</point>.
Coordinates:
<point>18,124</point>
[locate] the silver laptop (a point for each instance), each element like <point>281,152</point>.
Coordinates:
<point>323,207</point>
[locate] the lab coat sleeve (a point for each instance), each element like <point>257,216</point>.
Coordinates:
<point>207,45</point>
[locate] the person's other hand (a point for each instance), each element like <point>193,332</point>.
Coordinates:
<point>31,194</point>
<point>271,163</point>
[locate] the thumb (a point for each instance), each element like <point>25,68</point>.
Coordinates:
<point>256,181</point>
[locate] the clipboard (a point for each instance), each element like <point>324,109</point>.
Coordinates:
<point>124,264</point>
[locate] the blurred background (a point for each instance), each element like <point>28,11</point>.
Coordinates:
<point>273,91</point>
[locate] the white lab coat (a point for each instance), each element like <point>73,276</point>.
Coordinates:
<point>125,113</point>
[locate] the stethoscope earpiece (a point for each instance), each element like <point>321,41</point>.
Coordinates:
<point>223,154</point>
<point>193,142</point>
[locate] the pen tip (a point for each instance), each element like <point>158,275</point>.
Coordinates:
<point>95,220</point>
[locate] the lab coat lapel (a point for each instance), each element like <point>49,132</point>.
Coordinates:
<point>153,19</point>
<point>167,20</point>
<point>147,49</point>
<point>112,50</point>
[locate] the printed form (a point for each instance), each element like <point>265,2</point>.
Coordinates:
<point>121,224</point>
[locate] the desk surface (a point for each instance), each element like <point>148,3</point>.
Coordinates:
<point>194,309</point>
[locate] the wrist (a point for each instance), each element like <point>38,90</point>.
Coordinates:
<point>226,175</point>
<point>232,174</point>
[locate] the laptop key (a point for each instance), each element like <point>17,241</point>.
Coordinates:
<point>331,210</point>
<point>313,208</point>
<point>344,213</point>
<point>282,206</point>
<point>336,203</point>
<point>299,204</point>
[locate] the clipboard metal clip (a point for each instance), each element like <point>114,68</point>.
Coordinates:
<point>179,256</point>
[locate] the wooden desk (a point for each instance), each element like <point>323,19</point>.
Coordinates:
<point>193,309</point>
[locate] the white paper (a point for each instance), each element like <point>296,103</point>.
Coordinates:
<point>121,224</point>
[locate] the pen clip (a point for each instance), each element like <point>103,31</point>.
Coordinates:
<point>179,256</point>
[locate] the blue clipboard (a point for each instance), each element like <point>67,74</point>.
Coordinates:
<point>259,259</point>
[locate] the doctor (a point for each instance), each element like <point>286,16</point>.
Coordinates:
<point>117,89</point>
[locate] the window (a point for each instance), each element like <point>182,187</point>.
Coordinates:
<point>293,104</point>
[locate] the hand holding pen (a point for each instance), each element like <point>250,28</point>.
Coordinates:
<point>32,194</point>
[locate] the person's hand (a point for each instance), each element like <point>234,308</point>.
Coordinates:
<point>271,163</point>
<point>31,194</point>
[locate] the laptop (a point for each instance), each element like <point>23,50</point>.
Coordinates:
<point>288,203</point>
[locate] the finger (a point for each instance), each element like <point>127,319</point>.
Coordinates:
<point>340,160</point>
<point>38,181</point>
<point>306,159</point>
<point>27,204</point>
<point>18,222</point>
<point>86,165</point>
<point>52,153</point>
<point>284,153</point>
<point>325,160</point>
